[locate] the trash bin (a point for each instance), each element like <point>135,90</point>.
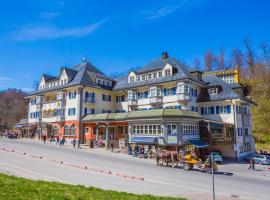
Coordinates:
<point>91,143</point>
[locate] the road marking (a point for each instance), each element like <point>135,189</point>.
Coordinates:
<point>35,172</point>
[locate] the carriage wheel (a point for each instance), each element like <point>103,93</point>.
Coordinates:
<point>188,166</point>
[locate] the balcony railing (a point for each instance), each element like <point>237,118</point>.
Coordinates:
<point>248,139</point>
<point>90,100</point>
<point>156,99</point>
<point>183,97</point>
<point>132,102</point>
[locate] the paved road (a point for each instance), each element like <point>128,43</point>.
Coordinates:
<point>124,173</point>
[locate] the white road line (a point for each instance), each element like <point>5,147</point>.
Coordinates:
<point>37,173</point>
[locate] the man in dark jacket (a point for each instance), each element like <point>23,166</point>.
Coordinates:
<point>252,163</point>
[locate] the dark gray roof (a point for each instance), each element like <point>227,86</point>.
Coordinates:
<point>48,77</point>
<point>180,74</point>
<point>225,90</point>
<point>235,85</point>
<point>80,75</point>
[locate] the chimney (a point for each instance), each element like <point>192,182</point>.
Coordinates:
<point>164,55</point>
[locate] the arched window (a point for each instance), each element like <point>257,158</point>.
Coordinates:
<point>66,130</point>
<point>72,130</point>
<point>55,130</point>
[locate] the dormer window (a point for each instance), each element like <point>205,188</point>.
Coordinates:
<point>149,76</point>
<point>155,75</point>
<point>159,74</point>
<point>167,72</point>
<point>213,91</point>
<point>143,77</point>
<point>131,79</point>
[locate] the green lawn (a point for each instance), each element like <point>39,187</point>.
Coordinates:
<point>12,188</point>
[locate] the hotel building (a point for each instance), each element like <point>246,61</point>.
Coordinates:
<point>163,103</point>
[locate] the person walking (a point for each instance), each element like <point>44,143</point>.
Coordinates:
<point>44,139</point>
<point>79,143</point>
<point>112,145</point>
<point>74,143</point>
<point>57,139</point>
<point>252,163</point>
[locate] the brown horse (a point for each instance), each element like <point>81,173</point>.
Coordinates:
<point>166,156</point>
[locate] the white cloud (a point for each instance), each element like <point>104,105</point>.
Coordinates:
<point>160,12</point>
<point>2,78</point>
<point>41,32</point>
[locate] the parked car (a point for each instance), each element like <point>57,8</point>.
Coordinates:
<point>261,159</point>
<point>216,156</point>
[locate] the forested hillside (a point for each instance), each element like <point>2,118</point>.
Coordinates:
<point>13,107</point>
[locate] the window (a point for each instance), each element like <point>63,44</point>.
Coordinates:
<point>154,75</point>
<point>72,95</point>
<point>72,111</point>
<point>33,101</point>
<point>189,129</point>
<point>89,111</point>
<point>245,110</point>
<point>183,88</point>
<point>171,129</point>
<point>225,109</point>
<point>55,130</point>
<point>149,76</point>
<point>213,91</point>
<point>66,130</point>
<point>58,112</point>
<point>90,97</point>
<point>131,79</point>
<point>106,97</point>
<point>147,129</point>
<point>174,107</point>
<point>167,72</point>
<point>159,74</point>
<point>143,77</point>
<point>120,98</point>
<point>246,131</point>
<point>106,111</point>
<point>72,130</point>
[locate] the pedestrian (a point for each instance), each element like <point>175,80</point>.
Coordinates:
<point>74,143</point>
<point>57,139</point>
<point>44,139</point>
<point>112,145</point>
<point>79,143</point>
<point>251,164</point>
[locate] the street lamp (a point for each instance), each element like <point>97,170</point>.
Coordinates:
<point>213,177</point>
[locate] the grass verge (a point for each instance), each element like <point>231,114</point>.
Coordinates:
<point>23,189</point>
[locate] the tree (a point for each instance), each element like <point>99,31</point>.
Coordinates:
<point>250,57</point>
<point>208,61</point>
<point>221,59</point>
<point>197,64</point>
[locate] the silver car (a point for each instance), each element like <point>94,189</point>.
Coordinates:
<point>261,159</point>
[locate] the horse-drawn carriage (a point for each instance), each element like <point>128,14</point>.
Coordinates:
<point>187,161</point>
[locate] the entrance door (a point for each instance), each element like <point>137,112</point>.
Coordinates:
<point>111,133</point>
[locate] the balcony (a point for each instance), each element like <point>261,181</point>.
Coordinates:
<point>155,100</point>
<point>90,100</point>
<point>248,139</point>
<point>132,102</point>
<point>183,97</point>
<point>54,104</point>
<point>60,118</point>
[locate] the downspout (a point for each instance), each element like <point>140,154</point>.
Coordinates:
<point>81,135</point>
<point>234,121</point>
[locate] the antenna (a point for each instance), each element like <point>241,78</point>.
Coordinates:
<point>85,55</point>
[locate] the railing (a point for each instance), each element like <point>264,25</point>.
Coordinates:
<point>156,99</point>
<point>183,96</point>
<point>90,100</point>
<point>132,102</point>
<point>248,138</point>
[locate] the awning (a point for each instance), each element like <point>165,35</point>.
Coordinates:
<point>198,143</point>
<point>144,140</point>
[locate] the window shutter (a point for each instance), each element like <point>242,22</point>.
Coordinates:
<point>228,108</point>
<point>103,97</point>
<point>212,110</point>
<point>146,94</point>
<point>85,111</point>
<point>86,95</point>
<point>202,110</point>
<point>165,91</point>
<point>217,109</point>
<point>196,92</point>
<point>174,90</point>
<point>110,97</point>
<point>69,95</point>
<point>74,94</point>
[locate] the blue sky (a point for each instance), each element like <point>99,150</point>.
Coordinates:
<point>40,36</point>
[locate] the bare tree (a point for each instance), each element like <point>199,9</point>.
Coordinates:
<point>197,64</point>
<point>208,61</point>
<point>221,59</point>
<point>250,57</point>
